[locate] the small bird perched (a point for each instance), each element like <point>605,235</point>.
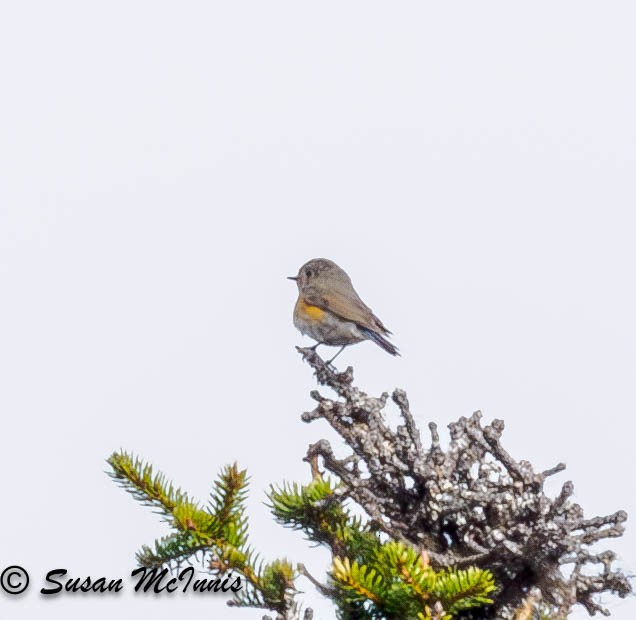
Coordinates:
<point>330,311</point>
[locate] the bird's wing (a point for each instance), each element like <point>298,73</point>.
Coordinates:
<point>346,306</point>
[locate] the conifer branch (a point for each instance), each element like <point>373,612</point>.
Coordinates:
<point>137,478</point>
<point>462,532</point>
<point>219,531</point>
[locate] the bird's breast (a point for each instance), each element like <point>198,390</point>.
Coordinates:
<point>305,311</point>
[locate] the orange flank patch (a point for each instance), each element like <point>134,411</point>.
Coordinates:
<point>313,312</point>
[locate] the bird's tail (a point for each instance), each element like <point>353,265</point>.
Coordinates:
<point>380,341</point>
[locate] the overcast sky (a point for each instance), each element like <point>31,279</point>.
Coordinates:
<point>165,165</point>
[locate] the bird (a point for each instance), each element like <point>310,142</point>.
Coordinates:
<point>330,311</point>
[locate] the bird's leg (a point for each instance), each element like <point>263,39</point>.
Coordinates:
<point>330,362</point>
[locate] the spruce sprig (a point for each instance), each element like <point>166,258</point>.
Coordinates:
<point>371,576</point>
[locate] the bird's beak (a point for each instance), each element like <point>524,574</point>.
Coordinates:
<point>294,278</point>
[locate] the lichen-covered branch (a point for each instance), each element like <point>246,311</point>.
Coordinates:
<point>469,504</point>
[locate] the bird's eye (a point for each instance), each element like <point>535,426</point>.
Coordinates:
<point>309,273</point>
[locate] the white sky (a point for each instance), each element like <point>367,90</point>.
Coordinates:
<point>164,166</point>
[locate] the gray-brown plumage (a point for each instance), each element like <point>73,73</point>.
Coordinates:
<point>330,311</point>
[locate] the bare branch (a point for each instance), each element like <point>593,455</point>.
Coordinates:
<point>469,504</point>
